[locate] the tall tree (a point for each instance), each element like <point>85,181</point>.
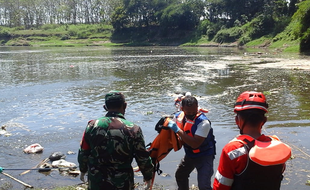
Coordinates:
<point>184,15</point>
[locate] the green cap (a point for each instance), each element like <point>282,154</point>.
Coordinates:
<point>114,96</point>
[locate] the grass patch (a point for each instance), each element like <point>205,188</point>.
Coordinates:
<point>52,35</point>
<point>286,46</point>
<point>292,49</point>
<point>260,42</point>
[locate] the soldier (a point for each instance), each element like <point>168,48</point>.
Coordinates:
<point>108,147</point>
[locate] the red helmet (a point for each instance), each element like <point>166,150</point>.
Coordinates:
<point>251,100</point>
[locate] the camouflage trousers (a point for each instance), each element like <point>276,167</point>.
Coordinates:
<point>111,179</point>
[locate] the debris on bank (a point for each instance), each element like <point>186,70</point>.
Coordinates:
<point>4,132</point>
<point>34,148</point>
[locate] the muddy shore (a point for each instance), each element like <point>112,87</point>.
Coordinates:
<point>258,60</point>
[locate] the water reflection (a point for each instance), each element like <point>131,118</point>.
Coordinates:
<point>49,94</point>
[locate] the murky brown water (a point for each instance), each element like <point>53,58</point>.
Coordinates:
<point>47,95</point>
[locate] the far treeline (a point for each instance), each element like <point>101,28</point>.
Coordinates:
<point>194,22</point>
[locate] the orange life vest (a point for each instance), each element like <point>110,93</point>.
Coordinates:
<point>265,166</point>
<point>268,153</point>
<point>187,126</point>
<point>163,143</point>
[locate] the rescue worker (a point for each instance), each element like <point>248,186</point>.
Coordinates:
<point>251,160</point>
<point>196,133</point>
<point>179,98</point>
<point>108,147</point>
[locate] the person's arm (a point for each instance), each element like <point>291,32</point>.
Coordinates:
<point>84,151</point>
<point>224,176</point>
<point>231,163</point>
<point>142,156</point>
<point>193,142</point>
<point>83,155</point>
<point>201,133</point>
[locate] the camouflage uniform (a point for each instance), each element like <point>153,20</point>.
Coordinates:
<point>108,147</point>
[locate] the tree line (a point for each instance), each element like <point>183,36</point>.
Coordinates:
<point>219,20</point>
<point>182,14</point>
<point>35,13</point>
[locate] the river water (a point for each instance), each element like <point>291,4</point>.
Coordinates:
<point>47,96</point>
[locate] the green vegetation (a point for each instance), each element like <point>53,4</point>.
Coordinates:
<point>57,35</point>
<point>275,24</point>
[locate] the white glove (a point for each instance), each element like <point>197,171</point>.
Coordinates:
<point>82,177</point>
<point>148,184</point>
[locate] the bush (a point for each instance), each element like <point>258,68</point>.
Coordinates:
<point>49,26</point>
<point>243,40</point>
<point>83,35</point>
<point>65,37</point>
<point>72,32</point>
<point>281,24</point>
<point>261,26</point>
<point>203,26</point>
<point>213,28</point>
<point>4,33</point>
<point>228,35</point>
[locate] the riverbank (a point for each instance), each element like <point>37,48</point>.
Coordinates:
<point>293,62</point>
<point>104,35</point>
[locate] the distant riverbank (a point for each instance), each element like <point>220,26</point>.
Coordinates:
<point>104,35</point>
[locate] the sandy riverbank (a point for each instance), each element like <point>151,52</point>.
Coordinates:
<point>271,62</point>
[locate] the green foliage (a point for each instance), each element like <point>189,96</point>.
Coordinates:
<point>303,15</point>
<point>65,37</point>
<point>182,15</point>
<point>292,49</point>
<point>213,28</point>
<point>244,40</point>
<point>60,35</point>
<point>280,24</point>
<point>228,35</point>
<point>4,33</point>
<point>300,18</point>
<point>49,26</point>
<point>204,26</point>
<point>223,21</point>
<point>260,26</point>
<point>72,32</point>
<point>260,42</point>
<point>298,28</point>
<point>119,18</point>
<point>83,34</point>
<point>18,42</point>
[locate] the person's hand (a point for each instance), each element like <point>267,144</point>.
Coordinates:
<point>148,184</point>
<point>173,126</point>
<point>82,177</point>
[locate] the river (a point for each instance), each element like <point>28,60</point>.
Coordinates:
<point>47,96</point>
